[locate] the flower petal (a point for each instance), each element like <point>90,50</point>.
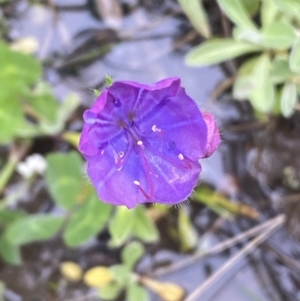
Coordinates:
<point>213,135</point>
<point>143,143</point>
<point>139,99</point>
<point>178,121</point>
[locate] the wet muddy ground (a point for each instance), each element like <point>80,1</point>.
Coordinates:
<point>257,163</point>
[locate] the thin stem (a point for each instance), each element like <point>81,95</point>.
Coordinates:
<point>17,151</point>
<point>7,172</point>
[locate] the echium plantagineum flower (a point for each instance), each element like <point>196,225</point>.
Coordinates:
<point>143,143</point>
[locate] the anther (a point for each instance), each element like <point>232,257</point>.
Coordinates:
<point>155,129</point>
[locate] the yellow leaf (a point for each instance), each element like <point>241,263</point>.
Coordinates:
<point>222,205</point>
<point>98,277</point>
<point>71,271</point>
<point>166,290</point>
<point>71,137</point>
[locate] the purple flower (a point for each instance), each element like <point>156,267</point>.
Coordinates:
<point>143,143</point>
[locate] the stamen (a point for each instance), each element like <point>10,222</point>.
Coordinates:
<point>180,156</point>
<point>155,129</point>
<point>145,194</point>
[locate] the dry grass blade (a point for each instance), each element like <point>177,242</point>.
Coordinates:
<point>217,249</point>
<point>277,222</point>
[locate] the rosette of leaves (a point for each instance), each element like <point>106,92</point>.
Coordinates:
<point>28,108</point>
<point>111,281</point>
<point>117,279</point>
<point>268,32</point>
<point>83,214</point>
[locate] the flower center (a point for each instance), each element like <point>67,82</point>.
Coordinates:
<point>135,134</point>
<point>131,129</point>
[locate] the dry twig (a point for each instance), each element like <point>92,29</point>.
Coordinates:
<point>275,223</point>
<point>216,249</point>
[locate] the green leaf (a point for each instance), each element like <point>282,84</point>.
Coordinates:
<point>242,87</point>
<point>33,228</point>
<point>96,92</point>
<point>288,99</point>
<point>67,107</point>
<point>218,50</point>
<point>215,202</point>
<point>17,69</point>
<point>144,228</point>
<point>11,116</point>
<point>121,274</point>
<point>197,15</point>
<point>132,253</point>
<point>7,216</point>
<point>87,221</point>
<point>291,7</point>
<point>247,35</point>
<point>237,13</point>
<point>10,252</point>
<point>269,11</point>
<point>136,292</point>
<point>278,35</point>
<point>262,95</point>
<point>108,82</point>
<point>277,105</point>
<point>248,66</point>
<point>252,6</point>
<point>280,70</point>
<point>110,292</point>
<point>43,102</point>
<point>28,130</point>
<point>187,233</point>
<point>64,178</point>
<point>295,56</point>
<point>121,226</point>
<point>134,222</point>
<point>65,110</point>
